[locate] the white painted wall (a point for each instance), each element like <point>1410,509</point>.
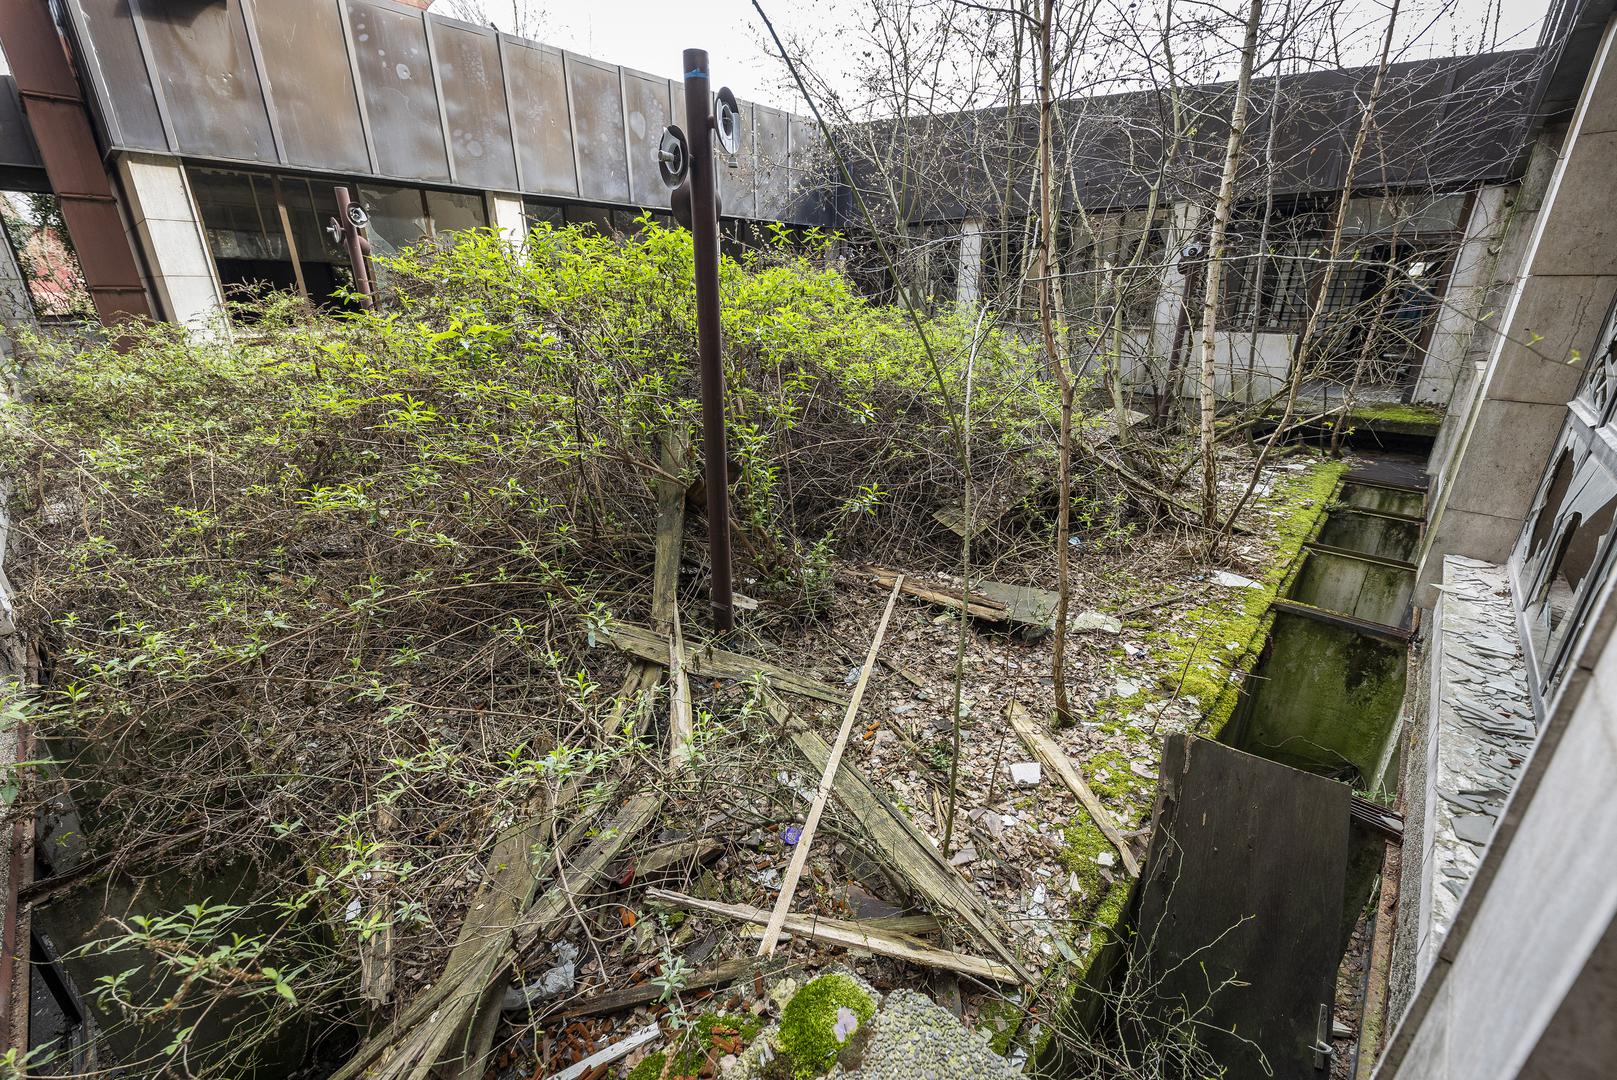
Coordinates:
<point>168,229</point>
<point>968,280</point>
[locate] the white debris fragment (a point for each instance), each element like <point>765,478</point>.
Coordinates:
<point>1025,773</point>
<point>1234,581</point>
<point>1096,620</point>
<point>1107,859</point>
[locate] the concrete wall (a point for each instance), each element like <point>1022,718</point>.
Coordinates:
<point>1523,983</point>
<point>1469,285</point>
<point>505,214</point>
<point>167,229</point>
<point>1555,312</point>
<point>15,307</point>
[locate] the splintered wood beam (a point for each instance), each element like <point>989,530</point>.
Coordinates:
<point>1056,760</point>
<point>800,850</point>
<point>710,662</point>
<point>851,935</point>
<point>908,854</point>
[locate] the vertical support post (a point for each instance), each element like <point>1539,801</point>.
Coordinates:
<point>705,236</point>
<point>358,247</point>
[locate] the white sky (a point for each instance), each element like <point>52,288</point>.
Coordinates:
<point>650,34</point>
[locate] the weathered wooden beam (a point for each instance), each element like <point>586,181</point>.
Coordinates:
<point>907,853</point>
<point>1056,760</point>
<point>851,935</point>
<point>711,662</point>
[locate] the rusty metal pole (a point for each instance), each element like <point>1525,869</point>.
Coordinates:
<point>358,247</point>
<point>705,237</point>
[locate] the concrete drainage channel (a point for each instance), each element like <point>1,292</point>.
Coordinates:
<point>1326,693</point>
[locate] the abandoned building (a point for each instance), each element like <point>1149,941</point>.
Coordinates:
<point>192,150</point>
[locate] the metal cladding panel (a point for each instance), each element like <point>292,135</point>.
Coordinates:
<point>209,82</point>
<point>16,146</point>
<point>597,100</point>
<point>474,98</point>
<point>774,163</point>
<point>645,100</point>
<point>107,40</point>
<point>395,74</point>
<point>1314,122</point>
<point>810,175</point>
<point>311,84</point>
<point>543,128</point>
<point>1490,108</point>
<point>738,175</point>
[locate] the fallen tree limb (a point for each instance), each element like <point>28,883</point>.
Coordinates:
<point>800,850</point>
<point>850,935</point>
<point>1057,761</point>
<point>907,852</point>
<point>715,663</point>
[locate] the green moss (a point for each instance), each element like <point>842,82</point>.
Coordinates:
<point>1396,412</point>
<point>808,1023</point>
<point>695,1048</point>
<point>1203,651</point>
<point>1207,646</point>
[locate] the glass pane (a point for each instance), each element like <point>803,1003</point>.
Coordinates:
<point>397,218</point>
<point>310,206</point>
<point>44,254</point>
<point>537,210</point>
<point>455,210</point>
<point>243,226</point>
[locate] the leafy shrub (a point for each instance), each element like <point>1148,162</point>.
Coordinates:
<point>318,597</point>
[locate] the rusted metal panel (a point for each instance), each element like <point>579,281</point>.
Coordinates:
<point>209,84</point>
<point>396,79</point>
<point>774,164</point>
<point>108,51</point>
<point>1241,905</point>
<point>540,118</point>
<point>645,106</point>
<point>310,83</point>
<point>474,100</point>
<point>597,103</point>
<point>61,127</point>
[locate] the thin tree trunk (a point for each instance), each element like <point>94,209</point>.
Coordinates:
<point>1306,341</point>
<point>1215,262</point>
<point>1047,244</point>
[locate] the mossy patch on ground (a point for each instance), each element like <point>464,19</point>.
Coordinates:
<point>712,1035</point>
<point>808,1024</point>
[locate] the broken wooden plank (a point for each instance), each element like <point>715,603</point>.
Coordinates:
<point>909,854</point>
<point>800,850</point>
<point>851,935</point>
<point>620,1049</point>
<point>976,605</point>
<point>681,726</point>
<point>1056,760</point>
<point>714,663</point>
<point>651,991</point>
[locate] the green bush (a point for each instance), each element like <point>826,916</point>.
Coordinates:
<point>319,595</point>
